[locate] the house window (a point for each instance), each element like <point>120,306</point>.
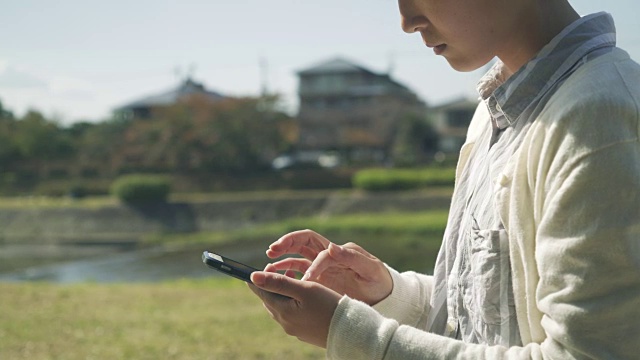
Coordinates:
<point>459,118</point>
<point>330,83</point>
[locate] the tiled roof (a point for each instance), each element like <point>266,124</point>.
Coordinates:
<point>187,88</point>
<point>336,65</point>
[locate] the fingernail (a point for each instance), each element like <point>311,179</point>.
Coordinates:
<point>257,278</point>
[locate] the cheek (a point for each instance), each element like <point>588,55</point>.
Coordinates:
<point>480,34</point>
<point>479,42</point>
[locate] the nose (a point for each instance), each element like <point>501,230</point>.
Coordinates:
<point>411,19</point>
<point>415,24</point>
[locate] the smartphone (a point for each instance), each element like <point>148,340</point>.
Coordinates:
<point>230,267</point>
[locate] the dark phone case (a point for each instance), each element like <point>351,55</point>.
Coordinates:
<point>230,267</point>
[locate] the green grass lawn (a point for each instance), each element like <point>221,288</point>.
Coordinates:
<point>204,319</point>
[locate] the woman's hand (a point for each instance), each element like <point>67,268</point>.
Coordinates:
<point>346,269</point>
<point>305,310</point>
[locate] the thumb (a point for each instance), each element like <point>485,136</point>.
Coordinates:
<point>335,255</point>
<point>277,283</point>
<point>358,261</point>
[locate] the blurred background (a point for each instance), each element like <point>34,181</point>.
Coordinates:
<point>135,135</point>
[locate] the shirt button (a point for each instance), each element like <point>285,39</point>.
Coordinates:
<point>504,180</point>
<point>451,326</point>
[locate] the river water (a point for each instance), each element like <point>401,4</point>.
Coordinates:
<point>107,264</point>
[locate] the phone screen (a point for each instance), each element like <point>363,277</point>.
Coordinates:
<point>228,266</point>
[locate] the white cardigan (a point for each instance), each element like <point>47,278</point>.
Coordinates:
<point>570,200</point>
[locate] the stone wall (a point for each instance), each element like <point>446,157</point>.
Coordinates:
<point>126,224</point>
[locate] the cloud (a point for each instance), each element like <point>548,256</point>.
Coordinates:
<point>17,78</point>
<point>59,95</point>
<point>72,88</point>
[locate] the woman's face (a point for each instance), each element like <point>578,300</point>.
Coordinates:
<point>468,33</point>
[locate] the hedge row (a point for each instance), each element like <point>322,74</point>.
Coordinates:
<point>403,179</point>
<point>136,189</point>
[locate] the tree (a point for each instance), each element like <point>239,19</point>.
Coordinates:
<point>415,139</point>
<point>200,135</point>
<point>9,153</point>
<point>98,144</point>
<point>40,139</point>
<point>5,114</point>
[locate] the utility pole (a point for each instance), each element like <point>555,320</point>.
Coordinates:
<point>264,76</point>
<point>392,62</point>
<point>191,71</point>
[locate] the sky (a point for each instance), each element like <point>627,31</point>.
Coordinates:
<point>77,60</point>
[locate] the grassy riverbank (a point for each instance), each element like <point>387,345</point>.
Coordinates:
<point>194,319</point>
<point>204,319</point>
<point>404,240</point>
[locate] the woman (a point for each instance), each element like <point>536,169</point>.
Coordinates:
<point>541,256</point>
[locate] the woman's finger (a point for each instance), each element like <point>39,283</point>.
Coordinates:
<point>297,264</point>
<point>362,264</point>
<point>359,249</point>
<point>356,259</point>
<point>307,243</point>
<point>322,262</point>
<point>270,268</point>
<point>277,287</point>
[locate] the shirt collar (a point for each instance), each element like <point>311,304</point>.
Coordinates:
<point>508,96</point>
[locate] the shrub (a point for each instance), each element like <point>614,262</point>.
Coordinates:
<point>136,189</point>
<point>402,179</point>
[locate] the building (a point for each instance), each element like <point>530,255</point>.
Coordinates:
<point>143,108</point>
<point>451,121</point>
<point>350,110</point>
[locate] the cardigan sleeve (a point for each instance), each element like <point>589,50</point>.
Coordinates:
<point>409,300</point>
<point>359,332</point>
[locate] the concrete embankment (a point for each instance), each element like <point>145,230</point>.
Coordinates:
<point>126,225</point>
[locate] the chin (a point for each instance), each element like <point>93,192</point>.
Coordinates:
<point>466,65</point>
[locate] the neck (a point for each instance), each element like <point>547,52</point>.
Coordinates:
<point>540,23</point>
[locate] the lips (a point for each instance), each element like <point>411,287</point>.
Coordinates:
<point>439,49</point>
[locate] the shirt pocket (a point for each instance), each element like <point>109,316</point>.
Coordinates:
<point>490,299</point>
